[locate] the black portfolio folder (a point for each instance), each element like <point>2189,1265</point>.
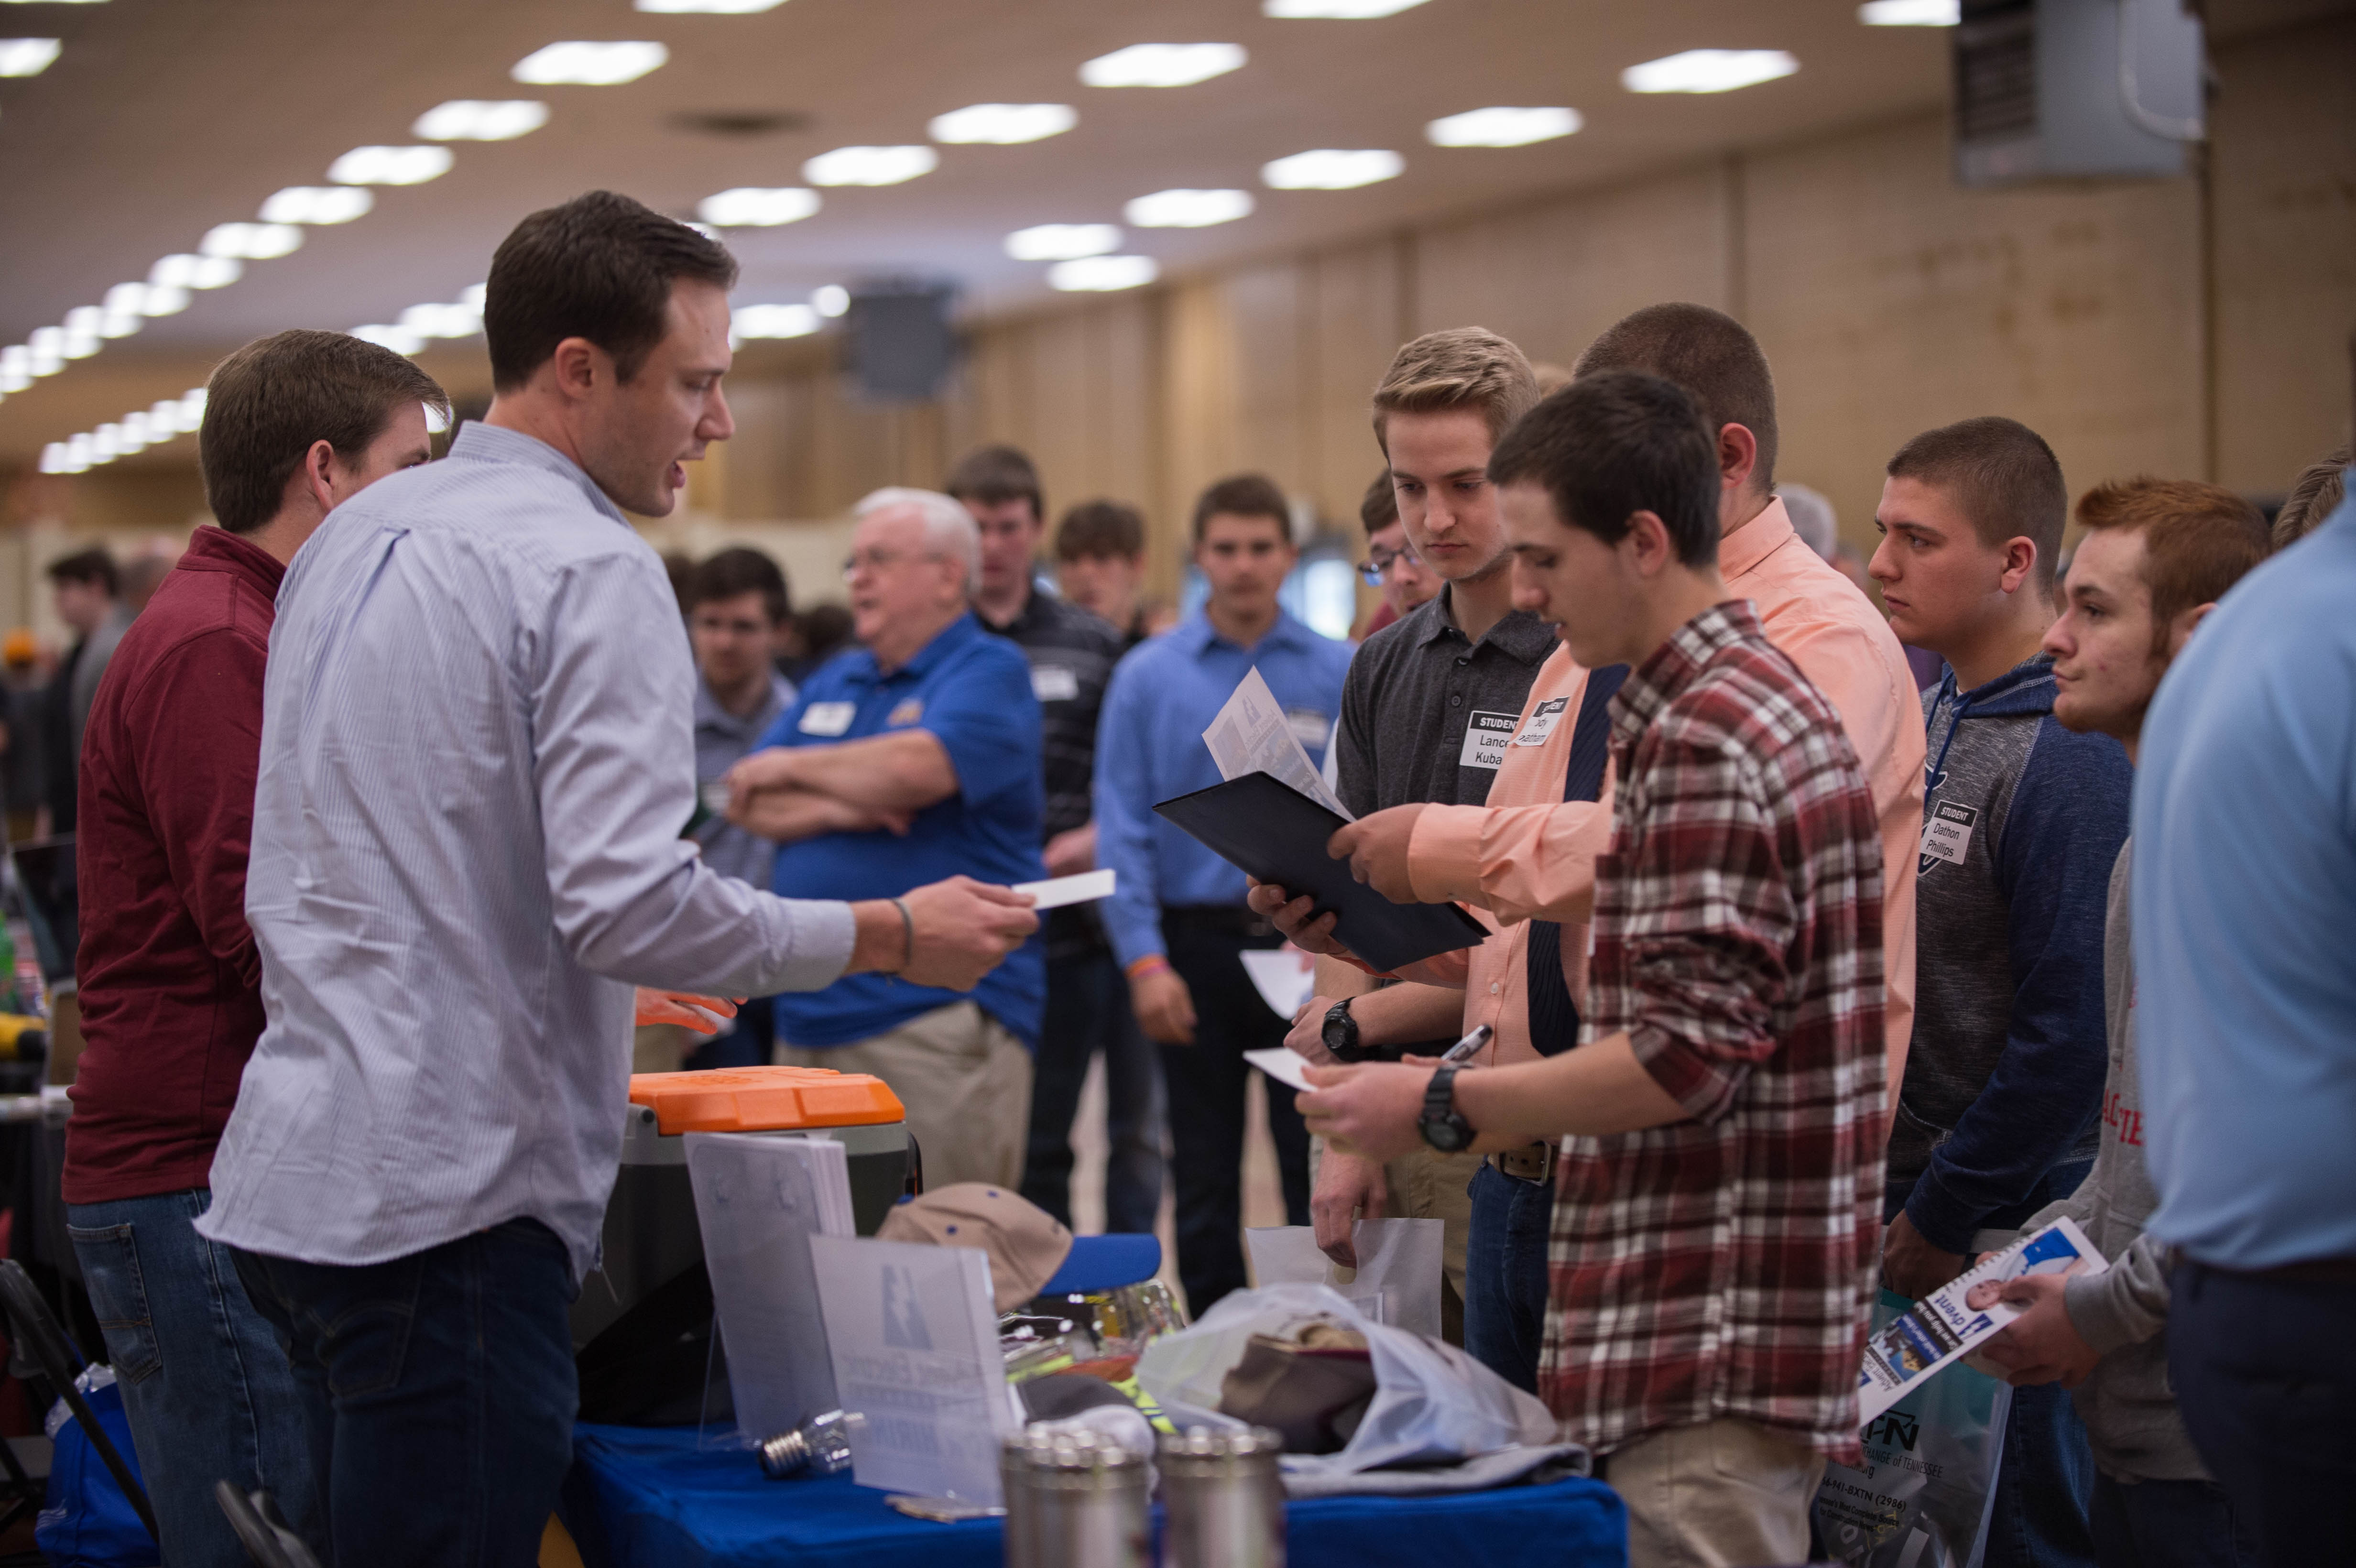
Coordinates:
<point>1274,832</point>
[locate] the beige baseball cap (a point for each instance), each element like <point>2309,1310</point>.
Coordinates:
<point>1026,1244</point>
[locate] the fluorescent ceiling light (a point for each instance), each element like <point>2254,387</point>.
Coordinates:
<point>1102,274</point>
<point>192,407</point>
<point>1708,70</point>
<point>80,345</point>
<point>253,241</point>
<point>1063,241</point>
<point>27,56</point>
<point>830,299</point>
<point>187,271</point>
<point>83,320</point>
<point>869,166</point>
<point>399,339</point>
<point>590,64</point>
<point>1162,65</point>
<point>481,119</point>
<point>757,207</point>
<point>389,166</point>
<point>774,321</point>
<point>1336,10</point>
<point>442,320</point>
<point>121,323</point>
<point>1188,208</point>
<point>1002,125</point>
<point>708,7</point>
<point>1910,12</point>
<point>1503,127</point>
<point>164,301</point>
<point>318,204</point>
<point>1331,168</point>
<point>473,295</point>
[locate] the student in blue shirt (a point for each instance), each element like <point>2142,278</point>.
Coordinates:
<point>1177,919</point>
<point>911,758</point>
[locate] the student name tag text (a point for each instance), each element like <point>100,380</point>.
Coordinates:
<point>1055,682</point>
<point>1486,736</point>
<point>1947,833</point>
<point>827,717</point>
<point>1542,722</point>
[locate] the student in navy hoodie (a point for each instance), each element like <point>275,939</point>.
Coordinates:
<point>2021,821</point>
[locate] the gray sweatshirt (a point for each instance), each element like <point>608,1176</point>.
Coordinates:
<point>2126,1403</point>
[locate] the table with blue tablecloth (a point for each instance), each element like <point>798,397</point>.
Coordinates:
<point>648,1498</point>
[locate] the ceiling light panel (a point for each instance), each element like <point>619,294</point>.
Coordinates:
<point>399,339</point>
<point>187,271</point>
<point>1708,70</point>
<point>830,299</point>
<point>1331,168</point>
<point>253,241</point>
<point>391,166</point>
<point>1336,10</point>
<point>481,119</point>
<point>1063,241</point>
<point>1002,125</point>
<point>583,63</point>
<point>757,207</point>
<point>871,166</point>
<point>774,321</point>
<point>1188,208</point>
<point>707,7</point>
<point>27,56</point>
<point>317,204</point>
<point>1910,12</point>
<point>442,320</point>
<point>1162,65</point>
<point>1103,274</point>
<point>1501,127</point>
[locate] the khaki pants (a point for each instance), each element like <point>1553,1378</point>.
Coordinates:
<point>965,1081</point>
<point>1725,1494</point>
<point>1429,1185</point>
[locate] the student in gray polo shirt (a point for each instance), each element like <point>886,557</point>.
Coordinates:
<point>1430,701</point>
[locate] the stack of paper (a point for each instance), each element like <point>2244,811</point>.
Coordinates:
<point>759,1200</point>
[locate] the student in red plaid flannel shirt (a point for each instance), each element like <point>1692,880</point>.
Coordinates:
<point>1718,1213</point>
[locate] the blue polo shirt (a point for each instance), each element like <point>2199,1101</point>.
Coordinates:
<point>973,692</point>
<point>1150,747</point>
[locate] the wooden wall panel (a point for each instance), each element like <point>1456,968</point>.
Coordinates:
<point>1360,316</point>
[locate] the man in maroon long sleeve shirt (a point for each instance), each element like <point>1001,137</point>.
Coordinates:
<point>170,981</point>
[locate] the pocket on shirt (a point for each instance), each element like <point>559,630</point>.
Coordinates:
<point>108,1255</point>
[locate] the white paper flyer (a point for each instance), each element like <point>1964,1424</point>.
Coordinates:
<point>1251,734</point>
<point>1961,1313</point>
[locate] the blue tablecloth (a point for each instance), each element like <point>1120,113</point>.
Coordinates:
<point>644,1497</point>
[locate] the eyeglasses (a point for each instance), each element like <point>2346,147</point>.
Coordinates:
<point>882,560</point>
<point>1378,564</point>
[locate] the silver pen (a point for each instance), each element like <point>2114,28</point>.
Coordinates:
<point>1468,1045</point>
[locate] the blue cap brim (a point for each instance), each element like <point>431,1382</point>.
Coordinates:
<point>1104,1263</point>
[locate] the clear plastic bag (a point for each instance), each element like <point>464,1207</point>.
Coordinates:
<point>1396,1280</point>
<point>1433,1403</point>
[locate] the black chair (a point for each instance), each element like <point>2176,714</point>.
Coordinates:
<point>265,1533</point>
<point>33,1330</point>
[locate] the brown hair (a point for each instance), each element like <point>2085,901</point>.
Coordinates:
<point>1462,368</point>
<point>1378,508</point>
<point>2198,540</point>
<point>1244,495</point>
<point>993,474</point>
<point>1609,446</point>
<point>1710,354</point>
<point>1099,529</point>
<point>599,267</point>
<point>2314,495</point>
<point>736,570</point>
<point>2004,477</point>
<point>93,566</point>
<point>266,403</point>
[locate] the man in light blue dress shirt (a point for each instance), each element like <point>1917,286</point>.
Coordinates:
<point>476,762</point>
<point>2244,898</point>
<point>1177,918</point>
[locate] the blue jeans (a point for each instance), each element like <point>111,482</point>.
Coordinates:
<point>2045,1479</point>
<point>2169,1524</point>
<point>2265,1375</point>
<point>1088,1010</point>
<point>204,1381</point>
<point>1505,1274</point>
<point>438,1392</point>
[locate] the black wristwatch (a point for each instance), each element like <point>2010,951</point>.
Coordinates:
<point>1341,1033</point>
<point>1442,1127</point>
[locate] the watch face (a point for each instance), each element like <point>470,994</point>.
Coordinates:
<point>1447,1134</point>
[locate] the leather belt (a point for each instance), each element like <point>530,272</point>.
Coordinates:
<point>1532,1163</point>
<point>2314,1271</point>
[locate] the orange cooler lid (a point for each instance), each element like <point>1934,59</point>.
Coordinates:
<point>763,1099</point>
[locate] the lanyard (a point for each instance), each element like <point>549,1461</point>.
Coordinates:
<point>1936,774</point>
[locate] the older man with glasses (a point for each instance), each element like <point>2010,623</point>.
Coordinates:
<point>913,758</point>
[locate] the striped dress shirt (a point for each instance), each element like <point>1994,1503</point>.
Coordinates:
<point>477,755</point>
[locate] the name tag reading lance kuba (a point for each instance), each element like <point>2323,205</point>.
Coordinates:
<point>1486,736</point>
<point>1947,834</point>
<point>1543,722</point>
<point>827,717</point>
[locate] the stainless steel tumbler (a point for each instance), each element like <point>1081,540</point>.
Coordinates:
<point>1074,1502</point>
<point>1225,1500</point>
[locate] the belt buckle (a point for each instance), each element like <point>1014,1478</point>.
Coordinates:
<point>1532,1162</point>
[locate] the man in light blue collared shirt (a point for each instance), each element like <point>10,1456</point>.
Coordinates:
<point>476,759</point>
<point>1177,918</point>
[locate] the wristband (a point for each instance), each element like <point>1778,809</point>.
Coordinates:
<point>907,936</point>
<point>1151,964</point>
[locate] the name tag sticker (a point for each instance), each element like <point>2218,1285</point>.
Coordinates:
<point>1486,736</point>
<point>1542,722</point>
<point>827,717</point>
<point>1947,834</point>
<point>907,712</point>
<point>1311,727</point>
<point>1055,682</point>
